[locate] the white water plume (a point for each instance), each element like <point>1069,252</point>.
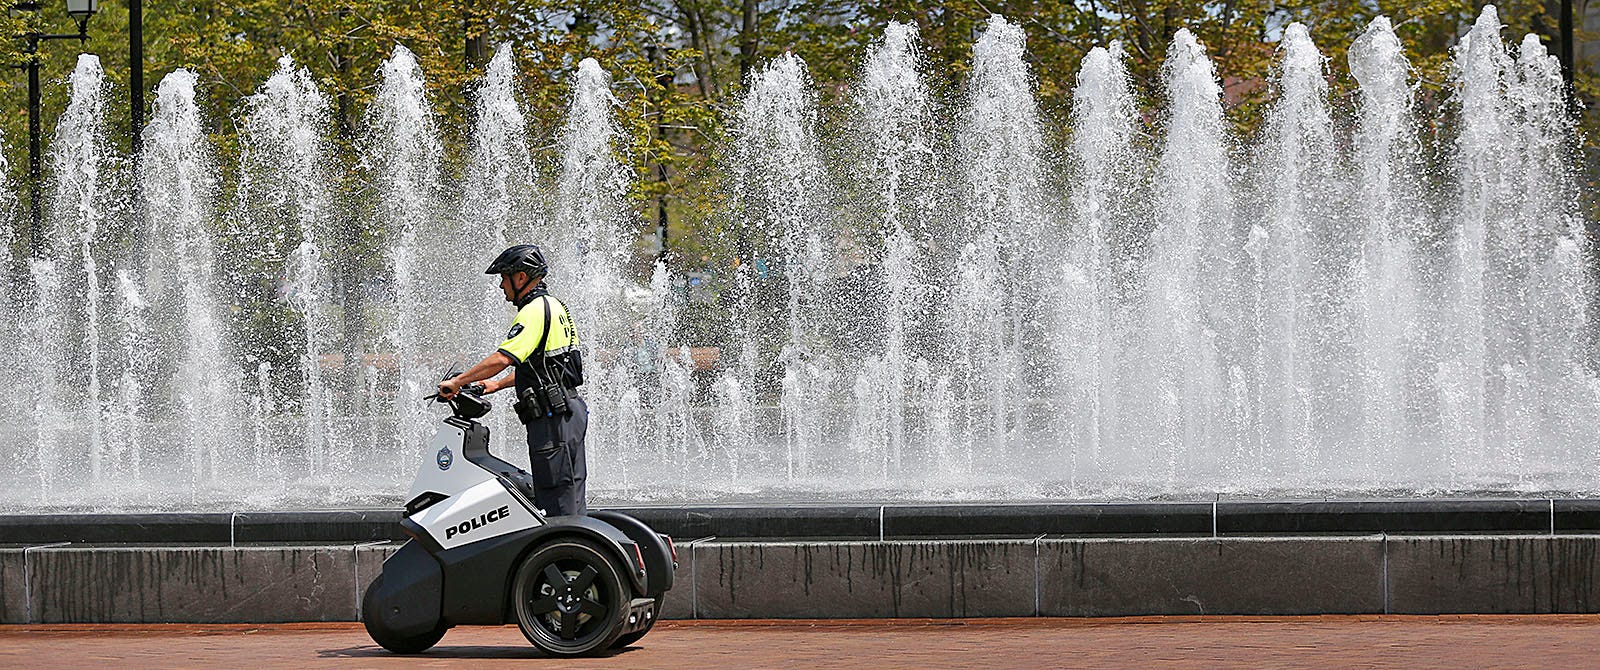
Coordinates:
<point>401,158</point>
<point>894,119</point>
<point>1108,167</point>
<point>1192,287</point>
<point>178,190</point>
<point>779,177</point>
<point>1299,251</point>
<point>1389,323</point>
<point>283,213</point>
<point>588,248</point>
<point>1000,144</point>
<point>500,203</point>
<point>80,162</point>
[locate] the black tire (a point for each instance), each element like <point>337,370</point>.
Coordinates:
<point>569,597</point>
<point>399,644</point>
<point>635,636</point>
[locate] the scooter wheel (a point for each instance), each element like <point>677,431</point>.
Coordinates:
<point>569,598</point>
<point>399,644</point>
<point>635,636</point>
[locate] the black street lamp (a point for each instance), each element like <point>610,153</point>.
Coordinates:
<point>1567,47</point>
<point>80,11</point>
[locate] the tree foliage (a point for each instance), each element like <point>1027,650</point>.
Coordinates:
<point>678,64</point>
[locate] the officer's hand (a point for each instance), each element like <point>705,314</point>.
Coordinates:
<point>449,388</point>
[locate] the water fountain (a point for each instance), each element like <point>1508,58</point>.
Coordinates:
<point>499,202</point>
<point>1004,246</point>
<point>778,182</point>
<point>1387,280</point>
<point>894,119</point>
<point>11,302</point>
<point>1110,166</point>
<point>400,155</point>
<point>919,300</point>
<point>69,291</point>
<point>1192,292</point>
<point>1298,258</point>
<point>283,214</point>
<point>178,191</point>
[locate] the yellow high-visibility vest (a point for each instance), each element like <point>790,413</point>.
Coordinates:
<point>528,327</point>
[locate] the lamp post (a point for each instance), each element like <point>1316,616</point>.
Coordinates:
<point>1567,47</point>
<point>80,11</point>
<point>135,76</point>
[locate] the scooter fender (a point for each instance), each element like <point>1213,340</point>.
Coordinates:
<point>406,600</point>
<point>608,536</point>
<point>658,563</point>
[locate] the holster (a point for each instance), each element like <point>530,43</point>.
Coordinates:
<point>545,400</point>
<point>527,406</point>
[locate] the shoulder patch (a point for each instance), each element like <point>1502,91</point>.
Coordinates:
<point>516,329</point>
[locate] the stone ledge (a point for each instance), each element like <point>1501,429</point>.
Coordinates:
<point>864,579</point>
<point>1033,520</point>
<point>1383,516</point>
<point>192,584</point>
<point>873,522</point>
<point>1494,575</point>
<point>13,594</point>
<point>1050,576</point>
<point>1166,576</point>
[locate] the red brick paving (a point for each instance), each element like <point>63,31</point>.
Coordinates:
<point>1557,641</point>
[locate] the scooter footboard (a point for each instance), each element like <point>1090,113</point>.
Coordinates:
<point>406,599</point>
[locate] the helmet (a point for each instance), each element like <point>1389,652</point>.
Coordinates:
<point>520,258</point>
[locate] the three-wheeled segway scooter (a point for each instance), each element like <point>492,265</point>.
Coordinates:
<point>480,553</point>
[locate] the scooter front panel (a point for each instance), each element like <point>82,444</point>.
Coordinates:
<point>481,512</point>
<point>443,468</point>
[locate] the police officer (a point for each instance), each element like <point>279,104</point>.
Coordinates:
<point>542,351</point>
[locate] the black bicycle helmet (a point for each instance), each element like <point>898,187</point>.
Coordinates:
<point>520,258</point>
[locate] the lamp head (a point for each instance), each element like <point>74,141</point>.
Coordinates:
<point>82,9</point>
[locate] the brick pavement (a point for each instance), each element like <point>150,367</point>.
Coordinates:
<point>1550,641</point>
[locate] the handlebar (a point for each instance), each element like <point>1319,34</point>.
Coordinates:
<point>475,388</point>
<point>469,403</point>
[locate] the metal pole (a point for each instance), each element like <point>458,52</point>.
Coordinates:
<point>477,48</point>
<point>1567,50</point>
<point>36,211</point>
<point>136,75</point>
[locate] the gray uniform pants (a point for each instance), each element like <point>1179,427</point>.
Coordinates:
<point>556,461</point>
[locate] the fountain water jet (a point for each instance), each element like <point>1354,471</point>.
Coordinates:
<point>587,253</point>
<point>1556,393</point>
<point>12,303</point>
<point>178,190</point>
<point>1192,296</point>
<point>1001,144</point>
<point>1299,251</point>
<point>778,178</point>
<point>1480,302</point>
<point>1107,166</point>
<point>284,209</point>
<point>588,237</point>
<point>498,202</point>
<point>401,158</point>
<point>893,111</point>
<point>80,165</point>
<point>1389,325</point>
